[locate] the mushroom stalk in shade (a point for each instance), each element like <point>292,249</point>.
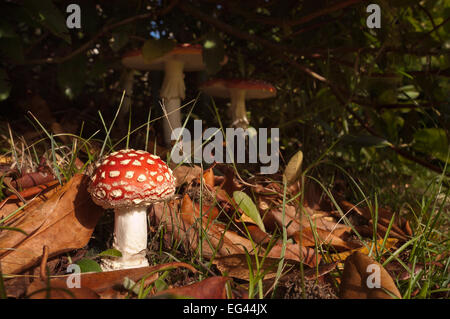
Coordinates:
<point>172,92</point>
<point>238,111</point>
<point>129,181</point>
<point>183,58</point>
<point>238,91</point>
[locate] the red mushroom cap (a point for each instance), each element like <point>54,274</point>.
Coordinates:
<point>255,89</point>
<point>190,54</point>
<point>131,178</point>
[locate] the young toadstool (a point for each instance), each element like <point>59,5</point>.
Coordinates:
<point>238,91</point>
<point>183,58</point>
<point>129,181</point>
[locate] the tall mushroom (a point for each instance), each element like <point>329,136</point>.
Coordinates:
<point>129,181</point>
<point>183,58</point>
<point>238,91</point>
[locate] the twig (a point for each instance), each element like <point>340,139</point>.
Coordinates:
<point>284,22</point>
<point>43,268</point>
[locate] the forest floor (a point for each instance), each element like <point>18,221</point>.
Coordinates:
<point>227,233</point>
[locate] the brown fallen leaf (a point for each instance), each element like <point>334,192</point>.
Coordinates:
<point>99,283</point>
<point>237,266</point>
<point>37,193</point>
<point>400,227</point>
<point>210,288</point>
<point>64,222</point>
<point>359,280</point>
<point>57,289</point>
<point>190,212</point>
<point>216,241</point>
<point>309,239</point>
<point>388,245</point>
<point>208,177</point>
<point>186,174</point>
<point>32,179</point>
<point>292,252</point>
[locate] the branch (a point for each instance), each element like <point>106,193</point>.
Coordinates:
<point>284,22</point>
<point>105,29</point>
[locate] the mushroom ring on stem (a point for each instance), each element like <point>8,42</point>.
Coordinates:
<point>183,58</point>
<point>129,181</point>
<point>238,91</point>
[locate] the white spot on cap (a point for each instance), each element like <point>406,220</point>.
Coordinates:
<point>113,154</point>
<point>149,161</point>
<point>129,174</point>
<point>137,201</point>
<point>105,162</point>
<point>141,158</point>
<point>93,178</point>
<point>114,173</point>
<point>125,162</point>
<point>167,176</point>
<point>132,155</point>
<point>112,163</point>
<point>116,193</point>
<point>140,152</point>
<point>141,178</point>
<point>119,156</point>
<point>100,193</point>
<point>103,175</point>
<point>153,173</point>
<point>160,178</point>
<point>136,163</point>
<point>154,156</point>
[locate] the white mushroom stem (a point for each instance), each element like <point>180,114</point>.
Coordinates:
<point>172,92</point>
<point>130,238</point>
<point>238,111</point>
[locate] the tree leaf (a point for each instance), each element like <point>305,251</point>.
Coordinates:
<point>48,15</point>
<point>248,207</point>
<point>6,31</point>
<point>111,253</point>
<point>71,76</point>
<point>293,169</point>
<point>213,52</point>
<point>365,141</point>
<point>5,87</point>
<point>408,92</point>
<point>88,265</point>
<point>12,49</point>
<point>432,141</point>
<point>156,48</point>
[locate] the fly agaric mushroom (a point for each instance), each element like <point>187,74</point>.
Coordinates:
<point>183,58</point>
<point>129,181</point>
<point>238,91</point>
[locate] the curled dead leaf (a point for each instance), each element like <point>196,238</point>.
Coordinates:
<point>186,174</point>
<point>210,288</point>
<point>95,284</point>
<point>63,222</point>
<point>365,278</point>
